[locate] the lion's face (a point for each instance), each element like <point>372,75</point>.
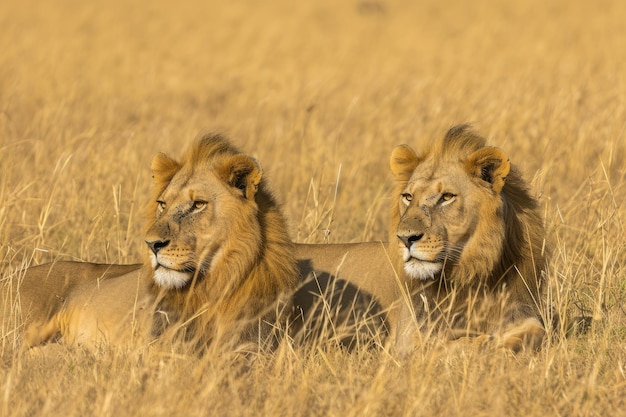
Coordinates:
<point>202,208</point>
<point>448,210</point>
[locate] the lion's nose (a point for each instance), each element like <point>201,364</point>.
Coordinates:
<point>408,240</point>
<point>156,245</point>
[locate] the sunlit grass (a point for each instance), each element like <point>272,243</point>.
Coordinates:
<point>319,92</point>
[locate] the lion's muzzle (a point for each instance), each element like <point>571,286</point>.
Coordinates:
<point>166,274</point>
<point>419,256</point>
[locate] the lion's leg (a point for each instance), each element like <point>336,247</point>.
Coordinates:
<point>36,334</point>
<point>407,330</point>
<point>528,333</point>
<point>66,326</point>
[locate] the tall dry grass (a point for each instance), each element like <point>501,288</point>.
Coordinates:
<point>320,92</point>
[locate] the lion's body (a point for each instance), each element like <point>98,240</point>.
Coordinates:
<point>116,310</point>
<point>220,254</point>
<point>36,299</point>
<point>470,241</point>
<point>366,265</point>
<point>360,291</point>
<point>90,304</point>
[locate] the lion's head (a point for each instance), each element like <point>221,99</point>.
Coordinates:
<point>462,217</point>
<point>215,234</point>
<point>448,206</point>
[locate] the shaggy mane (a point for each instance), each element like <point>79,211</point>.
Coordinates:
<point>248,278</point>
<point>523,252</point>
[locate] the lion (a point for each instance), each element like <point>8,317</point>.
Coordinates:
<point>219,258</point>
<point>217,247</point>
<point>470,241</point>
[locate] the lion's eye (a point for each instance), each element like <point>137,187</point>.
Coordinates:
<point>160,206</point>
<point>407,198</point>
<point>198,205</point>
<point>446,198</point>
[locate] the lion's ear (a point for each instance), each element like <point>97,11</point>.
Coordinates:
<point>491,165</point>
<point>242,172</point>
<point>403,162</point>
<point>163,168</point>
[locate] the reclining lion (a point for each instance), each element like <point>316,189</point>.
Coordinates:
<point>219,254</point>
<point>466,243</point>
<point>220,258</point>
<point>471,243</point>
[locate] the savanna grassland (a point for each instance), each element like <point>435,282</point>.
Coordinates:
<point>319,92</point>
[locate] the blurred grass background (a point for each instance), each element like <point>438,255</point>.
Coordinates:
<point>319,92</point>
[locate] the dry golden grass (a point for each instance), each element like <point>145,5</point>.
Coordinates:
<point>320,92</point>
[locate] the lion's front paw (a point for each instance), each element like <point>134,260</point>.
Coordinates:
<point>528,334</point>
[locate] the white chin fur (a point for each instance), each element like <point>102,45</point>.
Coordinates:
<point>170,279</point>
<point>417,269</point>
